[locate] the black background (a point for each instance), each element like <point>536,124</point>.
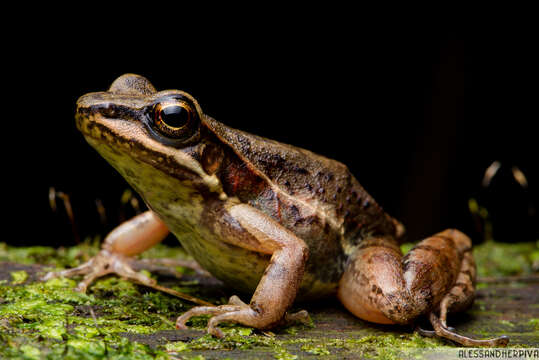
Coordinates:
<point>416,110</point>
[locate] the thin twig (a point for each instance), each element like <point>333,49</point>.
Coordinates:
<point>99,331</point>
<point>178,294</point>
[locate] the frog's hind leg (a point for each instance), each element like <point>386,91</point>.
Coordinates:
<point>459,298</point>
<point>462,294</point>
<point>130,238</point>
<point>382,286</point>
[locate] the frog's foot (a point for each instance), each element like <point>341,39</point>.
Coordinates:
<point>430,333</point>
<point>450,333</point>
<point>446,332</point>
<point>130,238</point>
<point>438,274</point>
<point>104,263</point>
<point>459,298</point>
<point>235,311</point>
<point>301,316</point>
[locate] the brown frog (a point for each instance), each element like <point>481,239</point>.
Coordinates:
<point>268,219</point>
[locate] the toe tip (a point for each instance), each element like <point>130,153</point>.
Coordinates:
<point>217,333</point>
<point>503,340</point>
<point>181,326</point>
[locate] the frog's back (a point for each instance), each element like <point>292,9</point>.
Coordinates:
<point>315,197</point>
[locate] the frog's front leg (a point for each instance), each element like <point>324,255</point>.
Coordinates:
<point>278,286</point>
<point>437,275</point>
<point>128,239</point>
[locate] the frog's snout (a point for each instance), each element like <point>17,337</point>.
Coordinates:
<point>132,84</point>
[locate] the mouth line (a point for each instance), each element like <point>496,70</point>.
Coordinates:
<point>100,133</point>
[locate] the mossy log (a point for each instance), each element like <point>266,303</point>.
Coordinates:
<point>118,319</point>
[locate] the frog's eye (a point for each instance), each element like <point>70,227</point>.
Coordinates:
<point>174,119</point>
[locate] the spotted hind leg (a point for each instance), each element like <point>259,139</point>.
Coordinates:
<point>382,286</point>
<point>462,294</point>
<point>460,298</point>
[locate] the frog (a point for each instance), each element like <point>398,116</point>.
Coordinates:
<point>268,219</point>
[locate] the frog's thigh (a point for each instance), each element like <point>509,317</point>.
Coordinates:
<point>136,235</point>
<point>278,286</point>
<point>381,286</point>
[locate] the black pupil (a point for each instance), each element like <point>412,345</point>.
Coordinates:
<point>175,116</point>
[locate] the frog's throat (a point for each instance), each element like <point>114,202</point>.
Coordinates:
<point>126,135</point>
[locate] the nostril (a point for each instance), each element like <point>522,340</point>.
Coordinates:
<point>108,111</point>
<point>132,84</point>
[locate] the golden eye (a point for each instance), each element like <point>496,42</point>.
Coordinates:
<point>172,119</point>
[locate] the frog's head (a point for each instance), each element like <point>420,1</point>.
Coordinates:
<point>144,133</point>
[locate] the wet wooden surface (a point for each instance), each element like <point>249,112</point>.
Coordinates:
<point>507,306</point>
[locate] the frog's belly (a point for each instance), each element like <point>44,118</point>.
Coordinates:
<point>242,269</point>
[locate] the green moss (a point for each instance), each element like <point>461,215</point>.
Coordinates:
<point>507,323</point>
<point>534,323</point>
<point>392,346</point>
<point>315,349</point>
<point>502,259</point>
<point>384,345</point>
<point>283,354</point>
<point>178,346</point>
<point>18,277</point>
<point>59,258</point>
<point>406,247</point>
<point>50,320</point>
<point>30,352</point>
